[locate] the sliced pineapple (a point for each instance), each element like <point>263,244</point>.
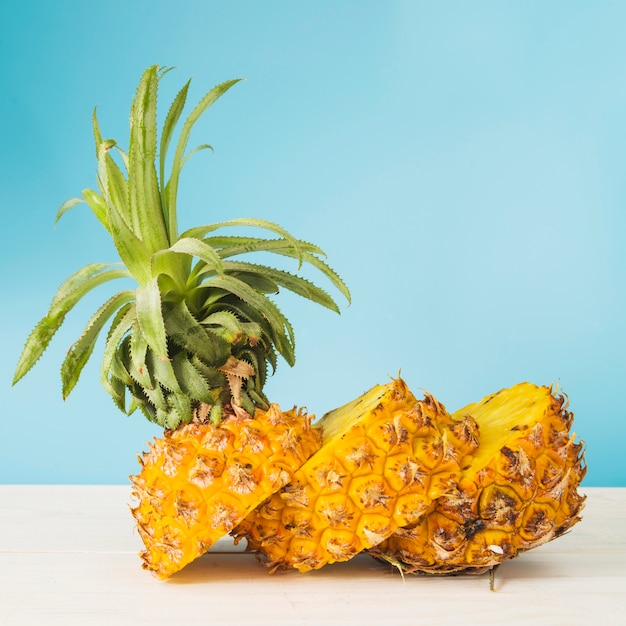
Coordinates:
<point>385,457</point>
<point>198,481</point>
<point>519,491</point>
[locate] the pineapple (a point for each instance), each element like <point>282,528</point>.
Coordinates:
<point>199,480</point>
<point>191,344</point>
<point>519,491</point>
<point>385,458</point>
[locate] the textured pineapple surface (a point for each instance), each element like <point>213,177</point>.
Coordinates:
<point>386,457</point>
<point>198,481</point>
<point>519,490</point>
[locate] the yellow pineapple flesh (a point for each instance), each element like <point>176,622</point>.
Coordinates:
<point>520,490</point>
<point>198,481</point>
<point>385,458</point>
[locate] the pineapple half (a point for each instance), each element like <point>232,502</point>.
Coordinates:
<point>192,342</point>
<point>519,491</point>
<point>386,457</point>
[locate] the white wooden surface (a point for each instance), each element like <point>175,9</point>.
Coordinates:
<point>68,555</point>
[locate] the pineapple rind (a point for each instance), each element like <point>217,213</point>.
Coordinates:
<point>520,490</point>
<point>368,480</point>
<point>200,480</point>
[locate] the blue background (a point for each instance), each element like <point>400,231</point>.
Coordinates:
<point>461,163</point>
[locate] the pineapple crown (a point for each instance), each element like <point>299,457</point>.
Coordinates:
<point>197,335</point>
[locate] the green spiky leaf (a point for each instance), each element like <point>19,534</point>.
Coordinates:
<point>68,295</point>
<point>173,115</point>
<point>192,382</point>
<point>282,332</point>
<point>79,353</point>
<point>66,206</point>
<point>297,284</point>
<point>97,205</point>
<point>172,185</point>
<point>120,327</point>
<point>185,331</point>
<point>162,261</point>
<point>143,188</point>
<point>138,350</point>
<point>150,317</point>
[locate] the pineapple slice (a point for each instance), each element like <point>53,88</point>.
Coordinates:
<point>198,481</point>
<point>385,458</point>
<point>518,492</point>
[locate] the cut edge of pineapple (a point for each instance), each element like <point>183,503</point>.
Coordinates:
<point>507,412</point>
<point>339,421</point>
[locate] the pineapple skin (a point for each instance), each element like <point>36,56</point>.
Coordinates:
<point>509,500</point>
<point>199,480</point>
<point>385,458</point>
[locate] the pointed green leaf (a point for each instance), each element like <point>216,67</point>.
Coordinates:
<point>69,293</point>
<point>186,332</point>
<point>216,413</point>
<point>131,249</point>
<point>66,206</point>
<point>181,147</point>
<point>234,246</point>
<point>150,317</point>
<point>97,134</point>
<point>180,412</point>
<point>257,281</point>
<point>138,350</point>
<point>103,174</point>
<point>296,284</point>
<point>199,232</point>
<point>162,372</point>
<point>114,182</point>
<point>124,156</point>
<point>282,331</point>
<point>121,361</point>
<point>157,398</point>
<point>225,324</point>
<point>117,391</point>
<point>81,282</point>
<point>36,344</point>
<point>212,375</point>
<point>191,380</point>
<point>229,246</point>
<point>204,146</point>
<point>97,205</point>
<point>259,399</point>
<point>79,353</point>
<point>163,262</point>
<point>120,326</point>
<point>121,366</point>
<point>244,311</point>
<point>330,273</point>
<point>147,219</point>
<point>309,253</point>
<point>250,356</point>
<point>149,411</point>
<point>173,115</point>
<point>162,70</point>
